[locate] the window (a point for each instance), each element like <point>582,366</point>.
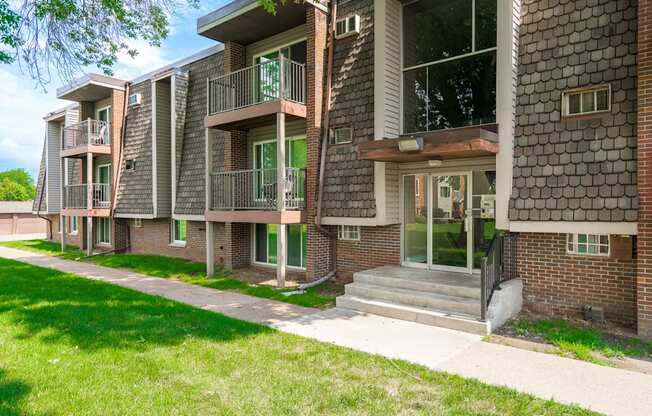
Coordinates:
<point>348,232</point>
<point>586,101</point>
<point>449,64</point>
<point>417,187</point>
<point>130,164</point>
<point>265,244</point>
<point>444,191</point>
<point>179,231</point>
<point>134,99</point>
<point>104,230</point>
<point>73,225</point>
<point>138,222</point>
<point>347,27</point>
<point>591,244</point>
<point>342,135</point>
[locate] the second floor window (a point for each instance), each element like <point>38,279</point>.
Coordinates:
<point>449,64</point>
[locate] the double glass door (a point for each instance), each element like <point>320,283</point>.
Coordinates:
<point>448,220</point>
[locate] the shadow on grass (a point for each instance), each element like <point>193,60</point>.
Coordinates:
<point>12,392</point>
<point>63,308</point>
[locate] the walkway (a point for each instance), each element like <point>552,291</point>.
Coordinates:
<point>607,390</point>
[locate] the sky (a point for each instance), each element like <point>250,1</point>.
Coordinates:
<point>23,103</point>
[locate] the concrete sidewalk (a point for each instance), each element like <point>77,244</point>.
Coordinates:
<point>607,390</point>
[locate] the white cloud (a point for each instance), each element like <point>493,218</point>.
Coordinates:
<point>21,120</point>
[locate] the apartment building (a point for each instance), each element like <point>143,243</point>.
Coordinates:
<point>424,150</point>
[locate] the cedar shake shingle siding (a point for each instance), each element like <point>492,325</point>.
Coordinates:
<point>135,189</point>
<point>190,187</point>
<point>575,169</point>
<point>349,182</point>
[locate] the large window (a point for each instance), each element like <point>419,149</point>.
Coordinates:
<point>265,240</point>
<point>449,64</point>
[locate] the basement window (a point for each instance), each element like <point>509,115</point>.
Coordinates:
<point>348,232</point>
<point>179,232</point>
<point>138,222</point>
<point>588,244</point>
<point>586,101</point>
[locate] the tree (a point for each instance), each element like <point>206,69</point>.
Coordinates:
<point>16,185</point>
<point>68,35</point>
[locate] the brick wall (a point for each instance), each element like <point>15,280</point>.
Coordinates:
<point>644,287</point>
<point>154,238</point>
<point>320,247</point>
<point>557,283</point>
<point>378,246</point>
<point>75,239</point>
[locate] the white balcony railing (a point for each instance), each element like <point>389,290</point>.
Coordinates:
<point>76,196</point>
<point>272,80</point>
<point>256,189</point>
<point>94,132</point>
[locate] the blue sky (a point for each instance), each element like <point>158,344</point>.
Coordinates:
<point>23,104</point>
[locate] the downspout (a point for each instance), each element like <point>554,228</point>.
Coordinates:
<point>326,122</point>
<point>324,148</point>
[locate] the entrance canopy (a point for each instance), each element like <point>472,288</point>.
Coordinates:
<point>443,144</point>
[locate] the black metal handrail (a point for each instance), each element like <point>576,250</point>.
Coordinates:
<point>491,272</point>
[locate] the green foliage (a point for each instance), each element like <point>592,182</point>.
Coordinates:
<point>16,185</point>
<point>9,20</point>
<point>69,344</point>
<point>586,344</point>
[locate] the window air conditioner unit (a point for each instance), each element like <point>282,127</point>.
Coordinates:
<point>134,99</point>
<point>348,26</point>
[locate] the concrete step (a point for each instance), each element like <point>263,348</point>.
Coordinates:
<point>465,287</point>
<point>430,300</point>
<point>415,314</point>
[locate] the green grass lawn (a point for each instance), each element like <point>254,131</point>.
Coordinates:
<point>184,270</point>
<point>69,345</point>
<point>583,343</point>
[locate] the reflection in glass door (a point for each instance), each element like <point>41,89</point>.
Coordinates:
<point>415,220</point>
<point>449,221</point>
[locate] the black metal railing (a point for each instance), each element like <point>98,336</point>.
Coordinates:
<point>498,265</point>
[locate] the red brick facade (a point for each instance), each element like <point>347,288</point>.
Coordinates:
<point>644,248</point>
<point>74,239</point>
<point>378,246</point>
<point>154,238</point>
<point>320,247</point>
<point>558,283</point>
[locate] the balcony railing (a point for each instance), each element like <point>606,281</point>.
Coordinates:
<point>256,189</point>
<point>93,132</point>
<point>277,79</point>
<point>76,196</point>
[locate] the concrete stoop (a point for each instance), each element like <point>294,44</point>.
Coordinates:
<point>444,299</point>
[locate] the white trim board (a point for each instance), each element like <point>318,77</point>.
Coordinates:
<point>572,227</point>
<point>188,217</point>
<point>363,222</point>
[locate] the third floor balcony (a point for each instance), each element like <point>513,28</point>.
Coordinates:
<point>256,92</point>
<point>89,136</point>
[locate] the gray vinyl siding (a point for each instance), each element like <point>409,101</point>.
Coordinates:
<point>134,194</point>
<point>392,48</point>
<point>163,149</point>
<point>53,177</point>
<point>191,183</point>
<point>392,178</point>
<point>274,42</point>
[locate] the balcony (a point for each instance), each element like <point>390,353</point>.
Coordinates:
<point>89,136</point>
<point>76,201</point>
<point>253,196</point>
<point>257,92</point>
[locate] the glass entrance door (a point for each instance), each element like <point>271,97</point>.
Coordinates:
<point>437,219</point>
<point>449,233</point>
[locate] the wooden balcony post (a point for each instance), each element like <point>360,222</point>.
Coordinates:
<point>89,201</point>
<point>210,230</point>
<point>281,236</point>
<point>281,77</point>
<point>89,130</point>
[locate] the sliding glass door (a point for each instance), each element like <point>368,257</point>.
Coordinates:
<point>448,219</point>
<point>265,239</point>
